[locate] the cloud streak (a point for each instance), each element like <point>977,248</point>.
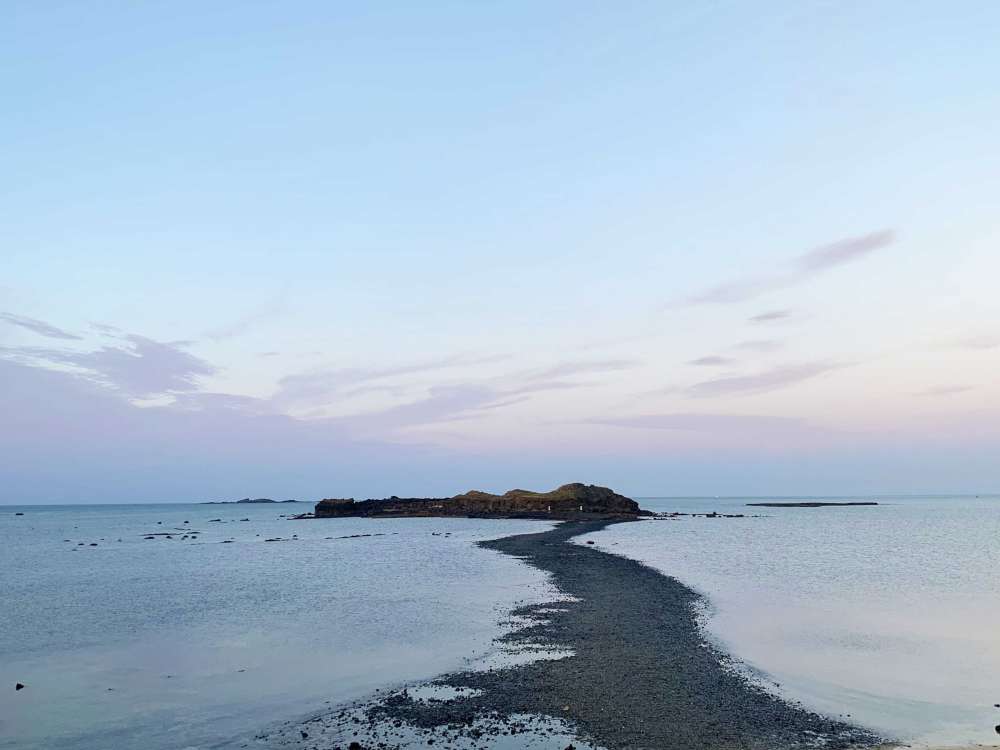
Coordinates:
<point>760,345</point>
<point>696,422</point>
<point>946,390</point>
<point>569,369</point>
<point>773,379</point>
<point>137,368</point>
<point>799,270</point>
<point>321,387</point>
<point>712,361</point>
<point>38,326</point>
<point>771,316</point>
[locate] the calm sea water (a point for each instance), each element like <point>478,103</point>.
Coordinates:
<point>183,643</point>
<point>889,614</point>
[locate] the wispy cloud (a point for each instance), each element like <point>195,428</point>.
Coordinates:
<point>762,382</point>
<point>138,367</point>
<point>760,345</point>
<point>844,251</point>
<point>38,326</point>
<point>799,270</point>
<point>568,369</point>
<point>771,316</point>
<point>946,390</point>
<point>246,322</point>
<point>320,387</point>
<point>712,361</point>
<point>696,422</point>
<point>981,342</point>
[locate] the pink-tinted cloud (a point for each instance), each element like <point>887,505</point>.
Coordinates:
<point>321,387</point>
<point>712,361</point>
<point>760,345</point>
<point>946,390</point>
<point>704,422</point>
<point>568,369</point>
<point>762,382</point>
<point>981,342</point>
<point>38,326</point>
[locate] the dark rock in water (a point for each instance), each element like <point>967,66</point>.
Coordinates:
<point>19,514</point>
<point>19,686</point>
<point>355,746</point>
<point>997,728</point>
<point>569,501</point>
<point>589,542</point>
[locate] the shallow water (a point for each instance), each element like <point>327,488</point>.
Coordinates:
<point>174,643</point>
<point>887,614</point>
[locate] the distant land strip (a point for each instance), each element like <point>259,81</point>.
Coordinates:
<point>809,504</point>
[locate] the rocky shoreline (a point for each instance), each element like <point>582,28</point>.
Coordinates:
<point>639,674</point>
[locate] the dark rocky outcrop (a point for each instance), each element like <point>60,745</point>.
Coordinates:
<point>569,501</point>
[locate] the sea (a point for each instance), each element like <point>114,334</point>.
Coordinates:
<point>177,626</point>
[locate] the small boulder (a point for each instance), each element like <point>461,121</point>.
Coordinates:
<point>19,686</point>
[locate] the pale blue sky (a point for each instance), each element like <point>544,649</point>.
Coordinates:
<point>418,247</point>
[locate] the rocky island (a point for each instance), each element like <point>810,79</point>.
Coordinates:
<point>571,501</point>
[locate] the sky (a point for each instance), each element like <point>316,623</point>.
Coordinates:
<point>312,249</point>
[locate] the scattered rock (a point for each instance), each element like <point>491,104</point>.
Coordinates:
<point>305,734</point>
